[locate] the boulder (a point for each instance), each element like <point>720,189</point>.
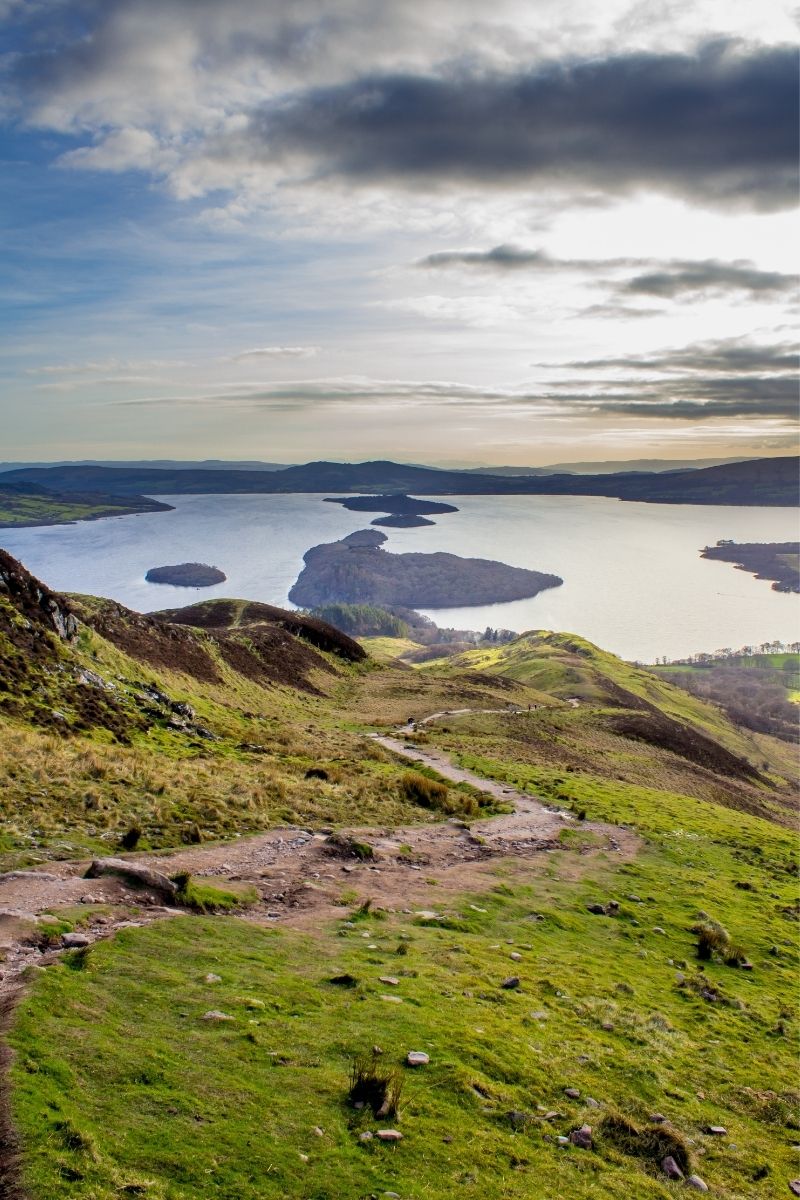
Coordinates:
<point>417,1058</point>
<point>582,1137</point>
<point>694,1181</point>
<point>671,1168</point>
<point>512,982</point>
<point>134,873</point>
<point>75,941</point>
<point>389,1135</point>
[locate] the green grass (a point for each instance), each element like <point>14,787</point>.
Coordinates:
<point>118,1082</point>
<point>204,897</point>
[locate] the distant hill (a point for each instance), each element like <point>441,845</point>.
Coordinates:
<point>28,504</point>
<point>610,467</point>
<point>172,464</point>
<point>764,481</point>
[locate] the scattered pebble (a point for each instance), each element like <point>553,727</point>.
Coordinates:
<point>582,1138</point>
<point>572,1092</point>
<point>390,979</point>
<point>417,1058</point>
<point>389,1135</point>
<point>717,1130</point>
<point>303,1158</point>
<point>694,1181</point>
<point>658,929</point>
<point>671,1168</point>
<point>515,957</point>
<point>392,999</point>
<point>212,978</point>
<point>214,1014</point>
<point>366,1136</point>
<point>562,1141</point>
<point>75,941</point>
<point>512,982</point>
<point>318,1131</point>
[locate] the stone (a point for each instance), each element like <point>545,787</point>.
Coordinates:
<point>390,979</point>
<point>658,1118</point>
<point>694,1181</point>
<point>389,1135</point>
<point>212,978</point>
<point>597,909</point>
<point>562,1141</point>
<point>590,1102</point>
<point>214,1014</point>
<point>318,1132</point>
<point>671,1168</point>
<point>417,1058</point>
<point>303,1157</point>
<point>133,873</point>
<point>515,957</point>
<point>519,1119</point>
<point>512,982</point>
<point>717,1130</point>
<point>572,1092</point>
<point>366,1136</point>
<point>582,1138</point>
<point>658,929</point>
<point>392,999</point>
<point>608,1026</point>
<point>73,941</point>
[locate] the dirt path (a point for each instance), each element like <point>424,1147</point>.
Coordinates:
<point>300,876</point>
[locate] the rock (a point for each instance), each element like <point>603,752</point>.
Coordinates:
<point>366,1136</point>
<point>590,1102</point>
<point>794,1187</point>
<point>717,1130</point>
<point>598,909</point>
<point>212,978</point>
<point>318,1132</point>
<point>303,1157</point>
<point>608,1026</point>
<point>390,979</point>
<point>214,1014</point>
<point>658,929</point>
<point>417,1058</point>
<point>515,957</point>
<point>519,1119</point>
<point>572,1092</point>
<point>671,1168</point>
<point>512,982</point>
<point>694,1181</point>
<point>634,899</point>
<point>74,941</point>
<point>389,1135</point>
<point>658,1119</point>
<point>612,907</point>
<point>582,1137</point>
<point>133,873</point>
<point>392,999</point>
<point>562,1141</point>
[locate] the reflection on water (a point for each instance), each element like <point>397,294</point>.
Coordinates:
<point>634,581</point>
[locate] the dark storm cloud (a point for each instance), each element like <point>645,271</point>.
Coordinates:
<point>719,126</point>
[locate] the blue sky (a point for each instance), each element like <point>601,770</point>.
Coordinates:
<point>446,233</point>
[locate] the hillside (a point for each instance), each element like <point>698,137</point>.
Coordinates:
<point>507,879</point>
<point>24,504</point>
<point>766,481</point>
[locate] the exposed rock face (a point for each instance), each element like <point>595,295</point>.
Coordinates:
<point>35,600</point>
<point>187,575</point>
<point>357,571</point>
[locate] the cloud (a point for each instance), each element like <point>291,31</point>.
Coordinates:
<point>212,97</point>
<point>723,356</point>
<point>275,352</point>
<point>665,279</point>
<point>681,278</point>
<point>719,127</point>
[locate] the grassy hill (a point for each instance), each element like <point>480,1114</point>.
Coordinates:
<point>208,724</point>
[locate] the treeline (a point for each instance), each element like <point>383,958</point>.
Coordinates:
<point>362,620</point>
<point>749,695</point>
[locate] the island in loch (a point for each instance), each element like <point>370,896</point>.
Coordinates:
<point>186,575</point>
<point>357,570</point>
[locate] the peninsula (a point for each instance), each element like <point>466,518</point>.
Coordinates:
<point>187,575</point>
<point>778,561</point>
<point>357,570</point>
<point>28,504</point>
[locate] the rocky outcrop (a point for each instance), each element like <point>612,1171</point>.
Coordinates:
<point>134,873</point>
<point>35,601</point>
<point>356,570</point>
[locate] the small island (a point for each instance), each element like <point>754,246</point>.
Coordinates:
<point>194,575</point>
<point>778,561</point>
<point>398,504</point>
<point>356,570</point>
<point>402,521</point>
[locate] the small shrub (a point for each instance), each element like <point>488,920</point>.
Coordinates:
<point>650,1142</point>
<point>711,939</point>
<point>374,1085</point>
<point>421,790</point>
<point>130,839</point>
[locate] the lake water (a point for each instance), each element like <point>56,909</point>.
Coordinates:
<point>634,581</point>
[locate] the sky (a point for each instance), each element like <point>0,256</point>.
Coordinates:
<point>448,232</point>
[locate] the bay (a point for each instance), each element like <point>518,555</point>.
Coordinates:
<point>634,581</point>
